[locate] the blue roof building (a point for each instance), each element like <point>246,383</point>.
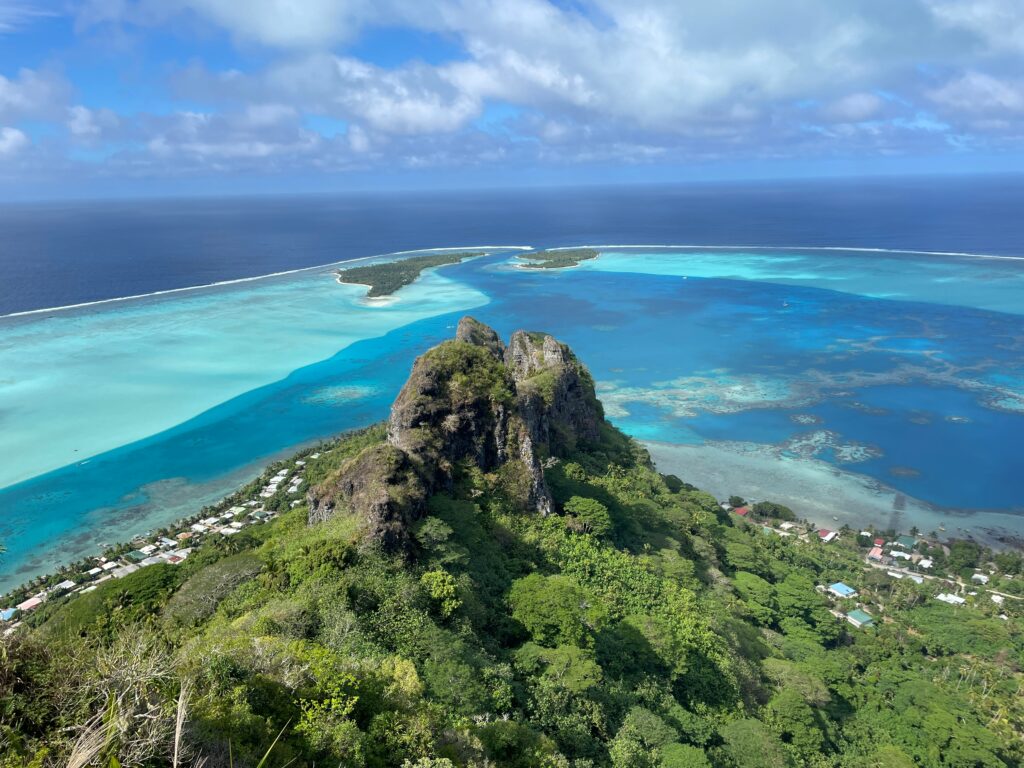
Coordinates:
<point>7,614</point>
<point>842,590</point>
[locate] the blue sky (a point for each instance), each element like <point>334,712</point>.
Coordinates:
<point>109,97</point>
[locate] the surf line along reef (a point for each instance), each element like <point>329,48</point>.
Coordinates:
<point>499,577</point>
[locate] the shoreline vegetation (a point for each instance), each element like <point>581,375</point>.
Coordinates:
<point>557,259</point>
<point>284,483</point>
<point>386,278</point>
<point>414,598</point>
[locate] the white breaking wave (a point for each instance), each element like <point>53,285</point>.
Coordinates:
<point>238,280</point>
<point>792,248</point>
<point>689,246</point>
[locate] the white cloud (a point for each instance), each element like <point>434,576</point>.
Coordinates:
<point>854,108</point>
<point>32,94</point>
<point>11,141</point>
<point>15,16</point>
<point>214,139</point>
<point>305,25</point>
<point>976,92</point>
<point>999,24</point>
<point>90,124</point>
<point>586,81</point>
<point>358,141</point>
<point>310,23</point>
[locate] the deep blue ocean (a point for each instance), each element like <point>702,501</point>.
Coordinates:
<point>57,254</point>
<point>822,365</point>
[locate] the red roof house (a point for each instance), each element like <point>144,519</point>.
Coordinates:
<point>826,535</point>
<point>742,511</point>
<point>879,542</point>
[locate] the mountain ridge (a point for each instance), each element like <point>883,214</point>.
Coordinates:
<point>509,408</point>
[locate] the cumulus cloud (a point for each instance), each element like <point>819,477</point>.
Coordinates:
<point>545,81</point>
<point>11,141</point>
<point>976,92</point>
<point>32,94</point>
<point>229,140</point>
<point>998,24</point>
<point>91,124</point>
<point>854,108</point>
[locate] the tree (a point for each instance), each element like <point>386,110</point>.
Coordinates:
<point>678,755</point>
<point>441,587</point>
<point>588,515</point>
<point>749,742</point>
<point>963,554</point>
<point>554,610</point>
<point>637,743</point>
<point>795,723</point>
<point>758,596</point>
<point>567,666</point>
<point>1009,561</point>
<point>773,510</point>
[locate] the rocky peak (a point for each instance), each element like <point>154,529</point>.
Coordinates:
<point>472,331</point>
<point>468,401</point>
<point>530,353</point>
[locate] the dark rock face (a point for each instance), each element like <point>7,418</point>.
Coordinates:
<point>472,401</point>
<point>383,486</point>
<point>474,332</point>
<point>556,393</point>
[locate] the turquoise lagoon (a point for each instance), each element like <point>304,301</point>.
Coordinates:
<point>866,386</point>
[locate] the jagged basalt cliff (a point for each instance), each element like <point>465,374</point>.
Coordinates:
<point>472,401</point>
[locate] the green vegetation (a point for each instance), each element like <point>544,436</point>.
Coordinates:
<point>386,278</point>
<point>773,510</point>
<point>567,257</point>
<point>641,626</point>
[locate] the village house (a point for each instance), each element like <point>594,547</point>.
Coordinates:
<point>841,590</point>
<point>64,586</point>
<point>30,605</point>
<point>859,618</point>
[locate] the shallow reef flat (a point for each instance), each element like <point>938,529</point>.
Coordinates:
<point>983,282</point>
<point>76,384</point>
<point>820,492</point>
